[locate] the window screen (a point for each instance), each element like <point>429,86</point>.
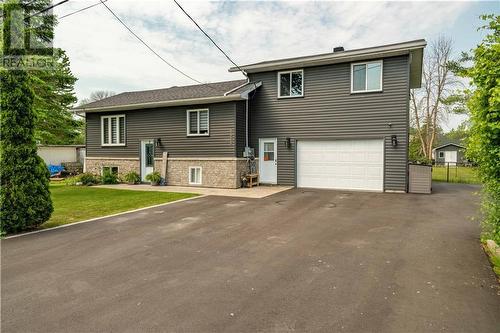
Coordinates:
<point>105,130</point>
<point>203,122</point>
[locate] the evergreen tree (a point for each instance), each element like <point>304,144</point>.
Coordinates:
<point>53,98</point>
<point>24,193</point>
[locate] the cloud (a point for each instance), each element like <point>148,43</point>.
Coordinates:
<point>104,56</point>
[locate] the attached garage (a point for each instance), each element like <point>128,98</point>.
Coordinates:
<point>341,164</point>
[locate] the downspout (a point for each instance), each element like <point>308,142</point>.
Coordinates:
<point>246,116</point>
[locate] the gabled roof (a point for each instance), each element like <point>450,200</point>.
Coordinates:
<point>413,48</point>
<point>184,95</point>
<point>449,144</point>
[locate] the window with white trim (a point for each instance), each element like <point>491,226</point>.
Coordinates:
<point>195,175</point>
<point>197,122</point>
<point>113,130</point>
<point>291,83</point>
<point>441,154</point>
<point>366,77</point>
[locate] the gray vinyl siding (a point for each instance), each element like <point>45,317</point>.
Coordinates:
<point>328,110</point>
<point>168,124</point>
<point>240,128</point>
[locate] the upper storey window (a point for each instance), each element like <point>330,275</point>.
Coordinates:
<point>113,130</point>
<point>366,77</point>
<point>291,84</point>
<point>197,122</point>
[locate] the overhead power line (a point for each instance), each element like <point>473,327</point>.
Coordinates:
<point>41,11</point>
<point>210,38</point>
<point>80,10</point>
<point>47,8</point>
<point>146,44</point>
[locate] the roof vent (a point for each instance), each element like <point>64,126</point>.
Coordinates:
<point>338,49</point>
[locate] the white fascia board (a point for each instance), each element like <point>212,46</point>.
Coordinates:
<point>338,57</point>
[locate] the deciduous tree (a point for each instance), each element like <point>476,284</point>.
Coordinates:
<point>438,83</point>
<point>484,107</point>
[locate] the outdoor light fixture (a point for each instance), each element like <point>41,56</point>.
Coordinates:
<point>288,143</point>
<point>158,142</point>
<point>394,140</point>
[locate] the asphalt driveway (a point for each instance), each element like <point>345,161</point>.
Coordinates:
<point>300,260</point>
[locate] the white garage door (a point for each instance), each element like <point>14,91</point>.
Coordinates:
<point>341,164</point>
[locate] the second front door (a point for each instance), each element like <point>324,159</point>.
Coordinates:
<point>268,161</point>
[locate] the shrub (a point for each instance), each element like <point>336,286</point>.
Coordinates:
<point>154,178</point>
<point>132,178</point>
<point>72,181</point>
<point>109,177</point>
<point>88,179</point>
<point>484,141</point>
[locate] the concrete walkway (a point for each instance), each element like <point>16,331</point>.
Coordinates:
<point>255,192</point>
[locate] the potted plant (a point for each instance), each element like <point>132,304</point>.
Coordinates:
<point>154,178</point>
<point>132,178</point>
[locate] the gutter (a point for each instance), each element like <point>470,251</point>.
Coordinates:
<point>148,105</point>
<point>236,88</point>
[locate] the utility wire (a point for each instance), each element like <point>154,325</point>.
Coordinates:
<point>47,8</point>
<point>149,47</point>
<point>80,10</point>
<point>210,38</point>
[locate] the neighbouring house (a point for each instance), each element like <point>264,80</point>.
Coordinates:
<point>337,120</point>
<point>57,154</point>
<point>451,153</point>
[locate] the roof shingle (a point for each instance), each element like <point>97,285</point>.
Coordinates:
<point>169,94</point>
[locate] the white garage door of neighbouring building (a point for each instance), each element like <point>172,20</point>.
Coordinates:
<point>341,164</point>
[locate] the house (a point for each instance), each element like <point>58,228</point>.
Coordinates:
<point>57,154</point>
<point>337,120</point>
<point>449,153</point>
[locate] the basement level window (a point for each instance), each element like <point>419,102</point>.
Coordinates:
<point>110,169</point>
<point>195,175</point>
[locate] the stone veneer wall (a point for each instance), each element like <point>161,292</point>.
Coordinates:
<point>95,165</point>
<point>222,173</point>
<point>216,172</point>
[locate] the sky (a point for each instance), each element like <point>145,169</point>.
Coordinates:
<point>105,56</point>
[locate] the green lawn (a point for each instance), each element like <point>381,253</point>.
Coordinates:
<point>460,174</point>
<point>78,203</point>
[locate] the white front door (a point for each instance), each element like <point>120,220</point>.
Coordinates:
<point>268,166</point>
<point>147,158</point>
<point>341,164</point>
<point>450,157</point>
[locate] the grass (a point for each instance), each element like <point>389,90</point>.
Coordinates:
<point>78,203</point>
<point>458,174</point>
<point>495,261</point>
